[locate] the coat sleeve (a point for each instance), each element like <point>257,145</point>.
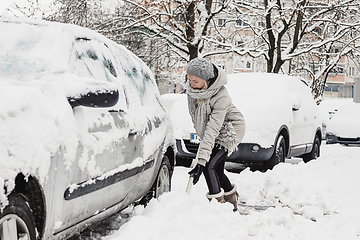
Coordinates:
<point>213,126</point>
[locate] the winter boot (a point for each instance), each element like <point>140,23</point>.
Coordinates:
<point>232,197</point>
<point>219,196</point>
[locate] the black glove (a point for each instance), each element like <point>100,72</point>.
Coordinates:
<point>196,172</point>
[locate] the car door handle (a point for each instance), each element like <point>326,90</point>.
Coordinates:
<point>132,133</point>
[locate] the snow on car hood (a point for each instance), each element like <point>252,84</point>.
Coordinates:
<point>346,121</point>
<point>266,101</point>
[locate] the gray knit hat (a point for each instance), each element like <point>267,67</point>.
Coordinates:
<point>202,68</point>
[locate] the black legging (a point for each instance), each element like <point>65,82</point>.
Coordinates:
<point>214,171</point>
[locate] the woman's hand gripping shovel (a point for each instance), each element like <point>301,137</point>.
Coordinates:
<point>194,173</point>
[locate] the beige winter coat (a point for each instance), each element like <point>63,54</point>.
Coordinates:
<point>222,110</point>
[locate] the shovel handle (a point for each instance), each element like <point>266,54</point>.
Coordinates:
<point>191,179</point>
<point>189,185</point>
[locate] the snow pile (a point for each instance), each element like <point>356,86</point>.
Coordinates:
<point>317,200</point>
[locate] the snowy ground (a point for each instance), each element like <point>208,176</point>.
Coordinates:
<point>318,200</point>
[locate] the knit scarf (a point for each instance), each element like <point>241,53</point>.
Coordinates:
<point>199,109</point>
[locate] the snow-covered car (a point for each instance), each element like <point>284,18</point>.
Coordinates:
<point>281,116</point>
<point>82,131</point>
<point>344,125</point>
<point>328,108</point>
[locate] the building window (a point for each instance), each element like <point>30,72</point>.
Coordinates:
<point>240,23</point>
<point>331,30</point>
<point>332,88</point>
<point>336,49</point>
<point>180,18</point>
<point>351,71</point>
<point>240,44</point>
<point>261,24</point>
<point>314,68</point>
<point>221,40</point>
<point>221,22</point>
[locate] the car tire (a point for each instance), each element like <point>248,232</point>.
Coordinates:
<point>17,216</point>
<point>315,151</point>
<point>278,155</point>
<point>162,182</point>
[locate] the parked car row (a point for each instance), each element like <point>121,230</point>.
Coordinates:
<point>82,131</point>
<point>282,121</point>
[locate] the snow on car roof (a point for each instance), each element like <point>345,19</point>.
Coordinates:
<point>33,48</point>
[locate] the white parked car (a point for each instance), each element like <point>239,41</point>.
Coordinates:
<point>344,125</point>
<point>282,121</point>
<point>82,131</point>
<point>328,108</point>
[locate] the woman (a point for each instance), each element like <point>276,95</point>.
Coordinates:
<point>218,123</point>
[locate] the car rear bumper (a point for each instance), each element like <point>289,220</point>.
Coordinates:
<point>331,139</point>
<point>247,153</point>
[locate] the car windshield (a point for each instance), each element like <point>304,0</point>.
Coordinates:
<point>31,51</point>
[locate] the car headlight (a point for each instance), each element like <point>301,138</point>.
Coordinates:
<point>255,148</point>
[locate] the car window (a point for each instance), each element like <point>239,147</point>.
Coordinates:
<point>135,71</point>
<point>94,59</point>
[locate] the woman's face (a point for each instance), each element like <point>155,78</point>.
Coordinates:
<point>196,82</point>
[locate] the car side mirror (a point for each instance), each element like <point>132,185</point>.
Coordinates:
<point>97,99</point>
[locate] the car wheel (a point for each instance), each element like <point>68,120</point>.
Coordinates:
<point>315,152</point>
<point>163,180</point>
<point>162,183</point>
<point>16,221</point>
<point>278,155</point>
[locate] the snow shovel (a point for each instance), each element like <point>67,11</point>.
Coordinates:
<point>191,179</point>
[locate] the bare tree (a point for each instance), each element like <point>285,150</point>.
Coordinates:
<point>154,51</point>
<point>304,33</point>
<point>79,12</point>
<point>179,24</point>
<point>280,31</point>
<point>29,9</point>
